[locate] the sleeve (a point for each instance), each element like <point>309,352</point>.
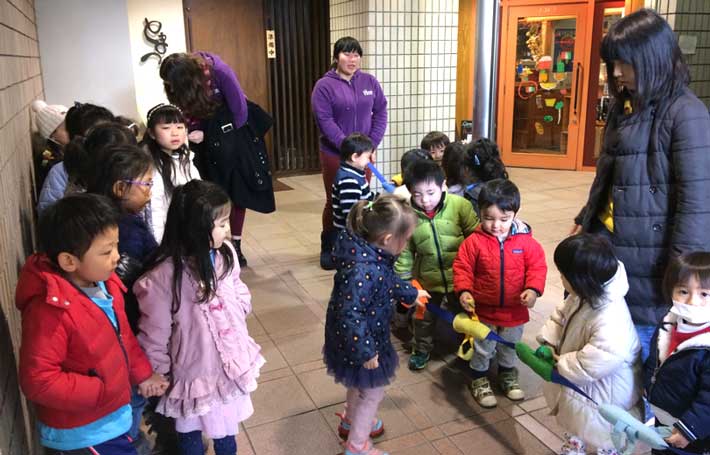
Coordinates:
<point>158,207</point>
<point>140,368</point>
<point>464,266</point>
<point>228,84</point>
<point>597,359</point>
<point>404,267</point>
<point>695,422</point>
<point>322,106</point>
<point>242,291</point>
<point>53,187</point>
<point>348,192</point>
<point>404,292</point>
<point>352,315</point>
<point>469,220</point>
<point>690,151</point>
<point>154,297</point>
<point>551,331</point>
<point>45,338</point>
<point>379,115</point>
<point>535,267</point>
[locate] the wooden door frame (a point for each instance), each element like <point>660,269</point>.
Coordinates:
<point>506,82</point>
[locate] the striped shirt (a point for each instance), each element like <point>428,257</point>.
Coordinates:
<point>349,187</point>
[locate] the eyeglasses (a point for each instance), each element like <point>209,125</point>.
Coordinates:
<point>139,182</point>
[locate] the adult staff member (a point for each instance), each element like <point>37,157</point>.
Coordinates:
<point>345,100</point>
<point>651,193</point>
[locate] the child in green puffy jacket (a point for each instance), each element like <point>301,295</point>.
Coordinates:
<point>443,222</point>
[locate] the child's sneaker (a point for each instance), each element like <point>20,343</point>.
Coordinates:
<point>418,361</point>
<point>483,393</point>
<point>573,446</point>
<point>369,449</point>
<point>509,384</point>
<point>377,430</point>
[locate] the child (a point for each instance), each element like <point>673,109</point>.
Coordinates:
<point>501,270</point>
<point>408,159</point>
<point>677,371</point>
<point>454,167</point>
<point>435,142</point>
<point>358,351</point>
<point>482,164</point>
<point>443,221</point>
<point>79,120</point>
<point>193,321</point>
<point>349,186</point>
<point>594,342</point>
<point>78,358</point>
<point>166,140</point>
<point>54,137</point>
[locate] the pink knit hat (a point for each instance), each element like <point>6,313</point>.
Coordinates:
<point>48,117</point>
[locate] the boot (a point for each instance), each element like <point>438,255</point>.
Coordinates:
<point>237,243</point>
<point>327,239</point>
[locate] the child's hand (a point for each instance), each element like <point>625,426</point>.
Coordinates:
<point>677,439</point>
<point>528,298</point>
<point>373,363</point>
<point>467,302</point>
<point>422,294</point>
<point>154,386</point>
<point>196,136</point>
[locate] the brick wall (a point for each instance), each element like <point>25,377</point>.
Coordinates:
<point>20,83</point>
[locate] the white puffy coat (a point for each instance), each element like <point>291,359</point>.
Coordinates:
<point>159,200</point>
<point>599,352</point>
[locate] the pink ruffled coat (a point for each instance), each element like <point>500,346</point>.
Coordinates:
<point>205,348</point>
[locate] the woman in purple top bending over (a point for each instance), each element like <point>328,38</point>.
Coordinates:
<point>200,84</point>
<point>345,100</point>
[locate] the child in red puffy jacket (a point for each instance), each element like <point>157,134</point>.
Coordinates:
<point>499,273</point>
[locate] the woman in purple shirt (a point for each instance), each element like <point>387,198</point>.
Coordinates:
<point>345,100</point>
<point>199,84</point>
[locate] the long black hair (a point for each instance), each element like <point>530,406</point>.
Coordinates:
<point>82,116</point>
<point>644,40</point>
<point>118,163</point>
<point>186,80</point>
<point>187,240</point>
<point>483,160</point>
<point>162,114</point>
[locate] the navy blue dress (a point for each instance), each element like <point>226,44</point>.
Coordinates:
<point>357,324</point>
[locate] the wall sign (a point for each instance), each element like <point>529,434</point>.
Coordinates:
<point>152,34</point>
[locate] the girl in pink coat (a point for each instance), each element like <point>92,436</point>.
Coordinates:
<point>193,322</point>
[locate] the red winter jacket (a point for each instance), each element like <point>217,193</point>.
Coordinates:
<point>496,274</point>
<point>74,365</point>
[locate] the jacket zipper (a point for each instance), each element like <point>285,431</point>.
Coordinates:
<point>502,273</point>
<point>352,88</point>
<point>659,365</point>
<point>567,324</point>
<point>438,255</point>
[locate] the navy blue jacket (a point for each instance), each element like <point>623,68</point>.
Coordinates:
<point>680,383</point>
<point>357,324</point>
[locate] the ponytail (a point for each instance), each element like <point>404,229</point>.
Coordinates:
<point>483,160</point>
<point>388,214</point>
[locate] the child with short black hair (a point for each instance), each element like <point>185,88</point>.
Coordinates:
<point>443,221</point>
<point>454,165</point>
<point>435,142</point>
<point>499,273</point>
<point>594,344</point>
<point>358,351</point>
<point>349,187</point>
<point>408,159</point>
<point>677,371</point>
<point>79,373</point>
<point>482,164</point>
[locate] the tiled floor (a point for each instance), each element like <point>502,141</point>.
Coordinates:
<point>430,412</point>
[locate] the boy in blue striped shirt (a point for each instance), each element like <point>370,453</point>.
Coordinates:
<point>350,184</point>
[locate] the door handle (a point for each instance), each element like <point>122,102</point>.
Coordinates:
<point>575,100</point>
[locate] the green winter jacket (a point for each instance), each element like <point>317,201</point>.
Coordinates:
<point>429,255</point>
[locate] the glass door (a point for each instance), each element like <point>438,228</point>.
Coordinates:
<point>542,81</point>
<point>605,15</point>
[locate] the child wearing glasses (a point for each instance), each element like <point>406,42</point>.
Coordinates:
<point>166,140</point>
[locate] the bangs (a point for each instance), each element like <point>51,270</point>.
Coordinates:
<point>166,114</point>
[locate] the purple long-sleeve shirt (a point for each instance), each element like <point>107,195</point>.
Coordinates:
<point>226,86</point>
<point>343,107</point>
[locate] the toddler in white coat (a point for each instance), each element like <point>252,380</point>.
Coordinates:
<point>594,342</point>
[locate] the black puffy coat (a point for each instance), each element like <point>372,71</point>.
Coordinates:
<point>655,164</point>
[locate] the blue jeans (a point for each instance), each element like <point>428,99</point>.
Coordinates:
<point>137,404</point>
<point>191,444</point>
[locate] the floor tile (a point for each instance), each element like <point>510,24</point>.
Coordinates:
<point>303,348</point>
<point>504,438</point>
<point>322,388</point>
<point>547,437</point>
<point>274,400</point>
<point>304,434</point>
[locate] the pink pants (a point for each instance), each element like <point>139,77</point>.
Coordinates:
<point>361,411</point>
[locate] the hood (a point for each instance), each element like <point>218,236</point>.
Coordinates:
<point>334,75</point>
<point>352,249</point>
<point>39,279</point>
<point>617,287</point>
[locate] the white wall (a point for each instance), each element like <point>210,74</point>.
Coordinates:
<point>85,53</point>
<point>148,85</point>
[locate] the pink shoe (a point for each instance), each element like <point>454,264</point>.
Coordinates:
<point>369,449</point>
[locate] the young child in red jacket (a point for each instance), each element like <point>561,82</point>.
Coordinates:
<point>499,273</point>
<point>79,357</point>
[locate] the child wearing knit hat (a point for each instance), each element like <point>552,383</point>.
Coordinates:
<point>53,136</point>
